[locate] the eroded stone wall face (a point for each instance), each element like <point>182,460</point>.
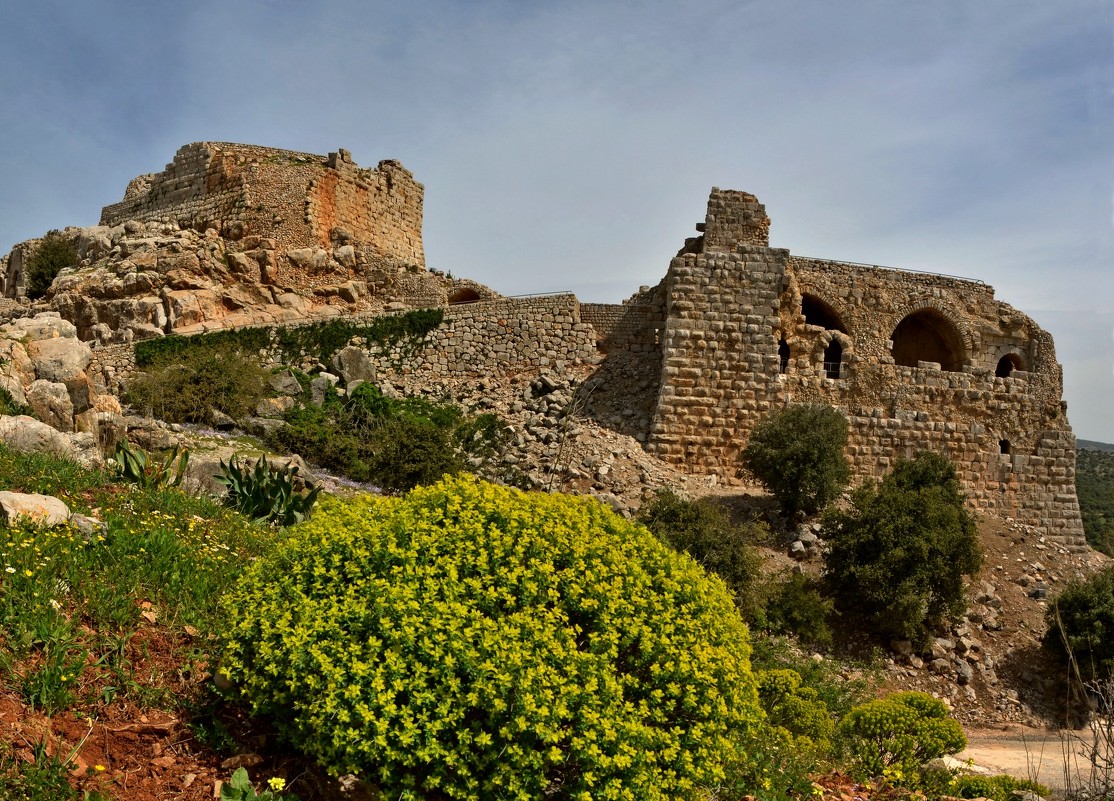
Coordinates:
<point>296,200</point>
<point>915,361</point>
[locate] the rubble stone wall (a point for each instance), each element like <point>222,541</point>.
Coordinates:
<point>296,199</point>
<point>914,360</point>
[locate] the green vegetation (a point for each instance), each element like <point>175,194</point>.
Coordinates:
<point>267,492</point>
<point>893,737</point>
<point>996,788</point>
<point>137,466</point>
<point>9,406</point>
<point>796,709</point>
<point>397,444</point>
<point>189,385</point>
<point>289,344</point>
<point>705,532</point>
<point>53,254</point>
<point>1094,484</point>
<point>476,641</point>
<point>898,556</point>
<point>1081,625</point>
<point>797,453</point>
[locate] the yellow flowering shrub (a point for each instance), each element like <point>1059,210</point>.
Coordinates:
<point>471,641</point>
<point>894,736</point>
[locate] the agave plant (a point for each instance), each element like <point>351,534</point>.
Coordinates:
<point>266,492</point>
<point>149,471</point>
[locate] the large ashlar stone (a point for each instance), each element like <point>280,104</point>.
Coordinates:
<point>43,510</point>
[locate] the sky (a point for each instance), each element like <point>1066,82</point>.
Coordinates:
<point>571,146</point>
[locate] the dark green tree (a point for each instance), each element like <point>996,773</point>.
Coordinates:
<point>52,255</point>
<point>898,556</point>
<point>1081,625</point>
<point>797,453</point>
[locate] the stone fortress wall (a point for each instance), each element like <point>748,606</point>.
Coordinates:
<point>297,200</point>
<point>915,361</point>
<point>735,330</point>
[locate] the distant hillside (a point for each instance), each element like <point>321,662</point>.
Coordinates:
<point>1094,483</point>
<point>1090,445</point>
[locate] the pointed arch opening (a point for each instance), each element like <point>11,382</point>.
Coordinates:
<point>463,295</point>
<point>928,336</point>
<point>819,312</point>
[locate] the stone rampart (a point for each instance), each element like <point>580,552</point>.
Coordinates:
<point>297,200</point>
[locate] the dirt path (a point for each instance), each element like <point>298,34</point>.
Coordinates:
<point>1028,753</point>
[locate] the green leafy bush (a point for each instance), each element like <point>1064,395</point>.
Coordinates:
<point>996,788</point>
<point>397,443</point>
<point>794,604</point>
<point>9,406</point>
<point>187,387</point>
<point>898,556</point>
<point>797,452</point>
<point>470,641</point>
<point>266,492</point>
<point>705,532</point>
<point>53,254</point>
<point>1081,624</point>
<point>894,736</point>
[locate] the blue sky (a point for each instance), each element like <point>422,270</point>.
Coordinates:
<point>572,145</point>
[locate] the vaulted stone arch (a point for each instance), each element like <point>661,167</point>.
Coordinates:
<point>818,311</point>
<point>929,334</point>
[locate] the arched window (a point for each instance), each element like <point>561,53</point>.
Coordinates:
<point>1007,364</point>
<point>817,312</point>
<point>928,336</point>
<point>464,295</point>
<point>783,355</point>
<point>833,356</point>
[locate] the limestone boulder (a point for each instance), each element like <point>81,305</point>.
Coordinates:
<point>28,435</point>
<point>50,400</point>
<point>43,510</point>
<point>353,364</point>
<point>59,359</point>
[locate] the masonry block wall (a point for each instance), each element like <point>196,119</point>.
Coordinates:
<point>298,200</point>
<point>914,360</point>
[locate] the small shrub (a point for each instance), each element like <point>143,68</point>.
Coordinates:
<point>187,387</point>
<point>768,765</point>
<point>705,532</point>
<point>892,737</point>
<point>797,453</point>
<point>408,453</point>
<point>240,788</point>
<point>795,605</point>
<point>1081,625</point>
<point>796,709</point>
<point>469,641</point>
<point>9,406</point>
<point>898,556</point>
<point>53,254</point>
<point>266,492</point>
<point>996,788</point>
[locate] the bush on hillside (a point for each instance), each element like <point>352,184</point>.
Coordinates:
<point>187,387</point>
<point>470,641</point>
<point>396,443</point>
<point>1094,484</point>
<point>894,736</point>
<point>706,532</point>
<point>797,453</point>
<point>1081,625</point>
<point>897,558</point>
<point>794,604</point>
<point>796,709</point>
<point>53,255</point>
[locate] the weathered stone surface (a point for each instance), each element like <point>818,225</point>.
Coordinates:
<point>354,364</point>
<point>28,435</point>
<point>51,404</point>
<point>43,510</point>
<point>59,359</point>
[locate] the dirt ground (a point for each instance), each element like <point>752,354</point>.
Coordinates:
<point>1057,759</point>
